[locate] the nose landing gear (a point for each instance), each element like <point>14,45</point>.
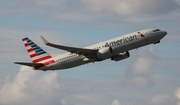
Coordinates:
<point>157,42</point>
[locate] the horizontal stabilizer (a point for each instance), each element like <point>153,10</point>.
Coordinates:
<point>29,64</point>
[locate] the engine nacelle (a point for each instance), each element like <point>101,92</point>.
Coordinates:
<point>120,56</point>
<point>104,53</point>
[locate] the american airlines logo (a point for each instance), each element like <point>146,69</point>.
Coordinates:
<point>124,40</point>
<point>140,34</point>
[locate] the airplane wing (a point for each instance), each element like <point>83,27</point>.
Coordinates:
<point>28,64</point>
<point>81,51</point>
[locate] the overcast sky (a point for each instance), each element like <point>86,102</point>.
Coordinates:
<point>151,76</point>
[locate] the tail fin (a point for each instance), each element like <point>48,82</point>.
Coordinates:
<point>36,54</point>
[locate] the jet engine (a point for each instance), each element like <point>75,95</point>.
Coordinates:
<point>104,53</point>
<point>120,56</point>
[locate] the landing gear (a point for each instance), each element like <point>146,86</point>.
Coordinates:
<point>157,42</point>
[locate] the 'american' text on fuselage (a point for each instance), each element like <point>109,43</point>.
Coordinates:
<point>121,41</point>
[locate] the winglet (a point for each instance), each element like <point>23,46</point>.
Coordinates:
<point>44,40</point>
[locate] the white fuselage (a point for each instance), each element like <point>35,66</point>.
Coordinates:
<point>118,45</point>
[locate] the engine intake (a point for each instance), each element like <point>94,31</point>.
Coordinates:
<point>104,53</point>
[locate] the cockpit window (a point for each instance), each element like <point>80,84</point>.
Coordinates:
<point>156,30</point>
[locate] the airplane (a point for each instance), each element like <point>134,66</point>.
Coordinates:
<point>115,49</point>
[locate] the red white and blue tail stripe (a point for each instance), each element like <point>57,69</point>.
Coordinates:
<point>37,54</point>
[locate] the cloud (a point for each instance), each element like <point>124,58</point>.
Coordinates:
<point>37,87</point>
<point>129,7</point>
<point>177,94</point>
<point>166,99</point>
<point>139,72</point>
<point>56,14</point>
<point>142,66</point>
<point>29,6</point>
<point>42,7</point>
<point>159,99</point>
<point>140,81</point>
<point>162,100</point>
<point>31,87</point>
<point>143,63</point>
<point>91,10</point>
<point>116,102</point>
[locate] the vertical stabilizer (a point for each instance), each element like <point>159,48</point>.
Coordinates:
<point>37,54</point>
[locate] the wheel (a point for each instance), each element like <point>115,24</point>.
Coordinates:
<point>157,42</point>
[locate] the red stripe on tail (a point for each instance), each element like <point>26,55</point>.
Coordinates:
<point>30,50</point>
<point>27,44</point>
<point>23,39</point>
<point>41,59</point>
<point>33,55</point>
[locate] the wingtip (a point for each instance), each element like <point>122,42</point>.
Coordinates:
<point>44,40</point>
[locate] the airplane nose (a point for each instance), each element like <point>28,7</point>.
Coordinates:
<point>165,33</point>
